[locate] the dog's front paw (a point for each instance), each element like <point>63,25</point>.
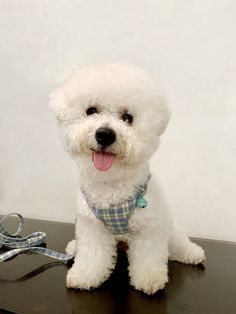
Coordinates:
<point>84,278</point>
<point>80,280</point>
<point>149,280</point>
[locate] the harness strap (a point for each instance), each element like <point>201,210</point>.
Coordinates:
<point>29,243</point>
<point>116,216</point>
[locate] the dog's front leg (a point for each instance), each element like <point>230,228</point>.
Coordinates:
<point>148,257</point>
<point>95,255</point>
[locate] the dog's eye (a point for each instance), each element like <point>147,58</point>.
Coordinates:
<point>91,110</point>
<point>126,117</point>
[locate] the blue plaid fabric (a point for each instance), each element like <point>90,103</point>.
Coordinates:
<point>116,217</point>
<point>29,243</point>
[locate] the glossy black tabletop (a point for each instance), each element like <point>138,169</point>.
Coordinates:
<point>32,283</point>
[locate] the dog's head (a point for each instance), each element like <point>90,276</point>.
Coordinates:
<point>111,115</point>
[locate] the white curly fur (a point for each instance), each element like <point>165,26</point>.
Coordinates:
<point>153,237</point>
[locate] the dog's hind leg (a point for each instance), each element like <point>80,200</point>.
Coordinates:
<point>181,249</point>
<point>71,247</point>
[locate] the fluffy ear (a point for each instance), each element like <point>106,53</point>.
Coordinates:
<point>164,119</point>
<point>58,104</point>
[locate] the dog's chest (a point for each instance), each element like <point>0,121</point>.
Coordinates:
<point>103,195</point>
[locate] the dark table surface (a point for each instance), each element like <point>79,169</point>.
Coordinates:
<point>32,283</point>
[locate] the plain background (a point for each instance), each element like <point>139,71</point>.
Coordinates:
<point>189,45</point>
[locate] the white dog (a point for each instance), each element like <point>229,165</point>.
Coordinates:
<point>111,117</point>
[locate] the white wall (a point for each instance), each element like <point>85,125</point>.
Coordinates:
<point>189,45</point>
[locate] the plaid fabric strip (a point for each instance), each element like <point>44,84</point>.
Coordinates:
<point>116,217</point>
<point>29,243</point>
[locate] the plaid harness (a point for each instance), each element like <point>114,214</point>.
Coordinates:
<point>17,245</point>
<point>116,217</point>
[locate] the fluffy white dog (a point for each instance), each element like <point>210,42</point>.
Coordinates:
<point>111,117</point>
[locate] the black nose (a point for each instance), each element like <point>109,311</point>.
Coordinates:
<point>105,136</point>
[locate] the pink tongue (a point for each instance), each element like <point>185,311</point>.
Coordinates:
<point>102,161</point>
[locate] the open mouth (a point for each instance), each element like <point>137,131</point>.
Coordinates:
<point>102,160</point>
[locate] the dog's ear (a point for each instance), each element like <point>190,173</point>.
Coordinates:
<point>163,117</point>
<point>58,103</point>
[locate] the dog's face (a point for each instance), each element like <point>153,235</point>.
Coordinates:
<point>111,115</point>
